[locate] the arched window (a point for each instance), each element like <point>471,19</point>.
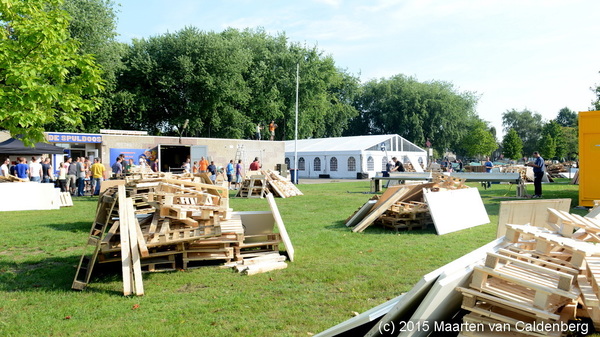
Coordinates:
<point>301,164</point>
<point>287,162</point>
<point>333,164</point>
<point>384,163</point>
<point>351,164</point>
<point>370,164</point>
<point>317,164</point>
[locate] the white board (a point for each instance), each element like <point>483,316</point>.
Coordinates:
<point>27,196</point>
<point>413,298</point>
<point>282,231</point>
<point>361,213</point>
<point>454,210</point>
<point>415,163</point>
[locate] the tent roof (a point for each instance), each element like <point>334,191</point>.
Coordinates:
<point>339,144</point>
<point>16,146</point>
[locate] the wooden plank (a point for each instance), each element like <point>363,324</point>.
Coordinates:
<point>126,262</point>
<point>532,212</point>
<point>133,228</point>
<point>380,207</point>
<point>361,213</point>
<point>445,206</point>
<point>282,230</point>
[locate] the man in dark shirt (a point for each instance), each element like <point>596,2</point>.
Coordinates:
<point>538,173</point>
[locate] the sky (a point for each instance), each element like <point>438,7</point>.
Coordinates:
<point>540,55</point>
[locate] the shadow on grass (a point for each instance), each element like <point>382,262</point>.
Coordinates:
<point>340,226</point>
<point>74,227</point>
<point>53,274</point>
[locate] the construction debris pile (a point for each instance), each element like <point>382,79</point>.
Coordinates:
<point>170,222</point>
<point>402,206</point>
<point>533,281</point>
<point>260,183</point>
<point>545,275</point>
<point>12,179</point>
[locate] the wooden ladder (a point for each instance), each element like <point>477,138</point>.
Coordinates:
<point>104,218</point>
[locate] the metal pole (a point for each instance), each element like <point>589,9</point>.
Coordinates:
<point>296,128</point>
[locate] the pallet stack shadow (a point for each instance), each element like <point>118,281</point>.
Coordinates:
<point>401,206</point>
<point>176,224</point>
<point>259,183</point>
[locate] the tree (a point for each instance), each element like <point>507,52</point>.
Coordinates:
<point>554,130</point>
<point>512,145</point>
<point>570,142</point>
<point>547,146</point>
<point>414,110</point>
<point>43,77</point>
<point>528,126</point>
<point>479,141</point>
<point>567,117</point>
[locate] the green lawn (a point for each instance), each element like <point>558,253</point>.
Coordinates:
<point>335,273</point>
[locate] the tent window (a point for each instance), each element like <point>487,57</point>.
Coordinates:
<point>370,164</point>
<point>301,164</point>
<point>333,163</point>
<point>351,164</point>
<point>287,162</point>
<point>317,164</point>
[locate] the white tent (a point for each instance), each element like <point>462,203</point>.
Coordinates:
<point>351,157</point>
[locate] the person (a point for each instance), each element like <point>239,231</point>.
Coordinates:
<point>81,173</point>
<point>272,127</point>
<point>255,165</point>
<point>257,133</point>
<point>239,174</point>
<point>388,168</point>
<point>117,168</point>
<point>488,168</point>
<point>212,169</point>
<point>195,167</point>
<point>460,165</point>
<point>62,176</point>
<point>35,170</point>
<point>539,167</point>
<point>229,171</point>
<point>155,165</point>
<point>12,170</point>
<point>22,169</point>
<point>98,175</point>
<point>71,175</point>
<point>48,174</point>
<point>203,165</point>
<point>5,168</point>
<point>127,166</point>
<point>398,167</point>
<point>187,166</point>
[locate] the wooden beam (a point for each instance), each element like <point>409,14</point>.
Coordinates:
<point>282,231</point>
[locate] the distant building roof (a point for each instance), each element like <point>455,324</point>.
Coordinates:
<point>353,143</point>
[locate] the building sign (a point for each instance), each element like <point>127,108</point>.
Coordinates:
<point>73,138</point>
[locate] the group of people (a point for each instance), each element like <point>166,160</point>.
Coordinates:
<point>272,126</point>
<point>37,170</point>
<point>72,174</point>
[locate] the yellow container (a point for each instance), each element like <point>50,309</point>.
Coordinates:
<point>589,157</point>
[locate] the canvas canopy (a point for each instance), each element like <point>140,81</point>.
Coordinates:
<point>16,146</point>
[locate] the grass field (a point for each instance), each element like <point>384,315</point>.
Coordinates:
<point>335,273</point>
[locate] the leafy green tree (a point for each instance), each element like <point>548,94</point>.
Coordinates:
<point>555,131</point>
<point>414,110</point>
<point>480,140</point>
<point>43,77</point>
<point>567,117</point>
<point>570,142</point>
<point>547,145</point>
<point>528,126</point>
<point>512,145</point>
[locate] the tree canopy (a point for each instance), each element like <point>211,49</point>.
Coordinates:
<point>512,145</point>
<point>43,77</point>
<point>528,126</point>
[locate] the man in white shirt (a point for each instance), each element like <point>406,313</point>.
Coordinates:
<point>4,168</point>
<point>35,170</point>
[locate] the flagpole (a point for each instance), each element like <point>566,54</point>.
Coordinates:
<point>296,128</point>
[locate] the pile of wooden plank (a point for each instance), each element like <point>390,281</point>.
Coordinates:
<point>546,275</point>
<point>402,206</point>
<point>534,281</point>
<point>12,179</point>
<point>165,223</point>
<point>257,184</point>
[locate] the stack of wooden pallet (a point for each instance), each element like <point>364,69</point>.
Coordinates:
<point>280,186</point>
<point>254,186</point>
<point>10,179</point>
<point>542,282</point>
<point>174,223</point>
<point>402,206</point>
<point>259,183</point>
